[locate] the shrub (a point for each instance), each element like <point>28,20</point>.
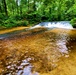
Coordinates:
<point>73,22</point>
<point>2,16</point>
<point>13,21</point>
<point>33,18</point>
<point>22,23</point>
<point>9,23</point>
<point>1,21</point>
<point>15,17</point>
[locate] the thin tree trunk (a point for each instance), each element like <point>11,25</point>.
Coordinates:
<point>28,5</point>
<point>17,6</point>
<point>5,7</point>
<point>34,5</point>
<point>20,9</point>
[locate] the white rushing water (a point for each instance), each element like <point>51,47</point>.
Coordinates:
<point>60,24</point>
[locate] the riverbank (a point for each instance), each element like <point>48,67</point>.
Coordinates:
<point>3,31</point>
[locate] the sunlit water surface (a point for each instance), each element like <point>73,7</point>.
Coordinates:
<point>39,52</point>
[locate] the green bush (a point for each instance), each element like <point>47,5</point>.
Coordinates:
<point>9,23</point>
<point>20,20</point>
<point>15,17</point>
<point>2,16</point>
<point>1,21</point>
<point>33,18</point>
<point>73,22</point>
<point>22,23</point>
<point>13,21</point>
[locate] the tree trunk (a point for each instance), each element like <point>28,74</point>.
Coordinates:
<point>5,7</point>
<point>28,5</point>
<point>34,7</point>
<point>17,7</point>
<point>20,9</point>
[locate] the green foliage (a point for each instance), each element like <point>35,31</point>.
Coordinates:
<point>2,16</point>
<point>24,12</point>
<point>73,22</point>
<point>33,17</point>
<point>9,23</point>
<point>22,23</point>
<point>12,21</point>
<point>15,17</point>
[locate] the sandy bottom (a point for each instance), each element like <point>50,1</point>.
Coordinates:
<point>39,52</point>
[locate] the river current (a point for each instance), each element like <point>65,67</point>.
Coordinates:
<point>39,50</point>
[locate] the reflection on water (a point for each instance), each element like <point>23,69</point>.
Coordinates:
<point>61,43</point>
<point>36,54</point>
<point>25,68</point>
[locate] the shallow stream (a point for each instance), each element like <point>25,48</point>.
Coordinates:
<point>38,51</point>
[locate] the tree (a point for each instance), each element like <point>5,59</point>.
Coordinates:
<point>5,7</point>
<point>34,5</point>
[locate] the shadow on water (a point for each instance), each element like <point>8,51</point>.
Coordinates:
<point>36,51</point>
<point>28,32</point>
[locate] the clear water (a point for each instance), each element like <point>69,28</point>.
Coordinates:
<point>38,52</point>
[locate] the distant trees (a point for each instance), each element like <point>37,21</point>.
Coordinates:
<point>5,7</point>
<point>39,10</point>
<point>53,8</point>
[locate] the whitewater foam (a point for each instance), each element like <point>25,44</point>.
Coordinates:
<point>60,24</point>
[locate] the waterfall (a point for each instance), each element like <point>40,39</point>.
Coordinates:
<point>60,24</point>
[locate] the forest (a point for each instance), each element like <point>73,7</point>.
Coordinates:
<point>37,37</point>
<point>14,13</point>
